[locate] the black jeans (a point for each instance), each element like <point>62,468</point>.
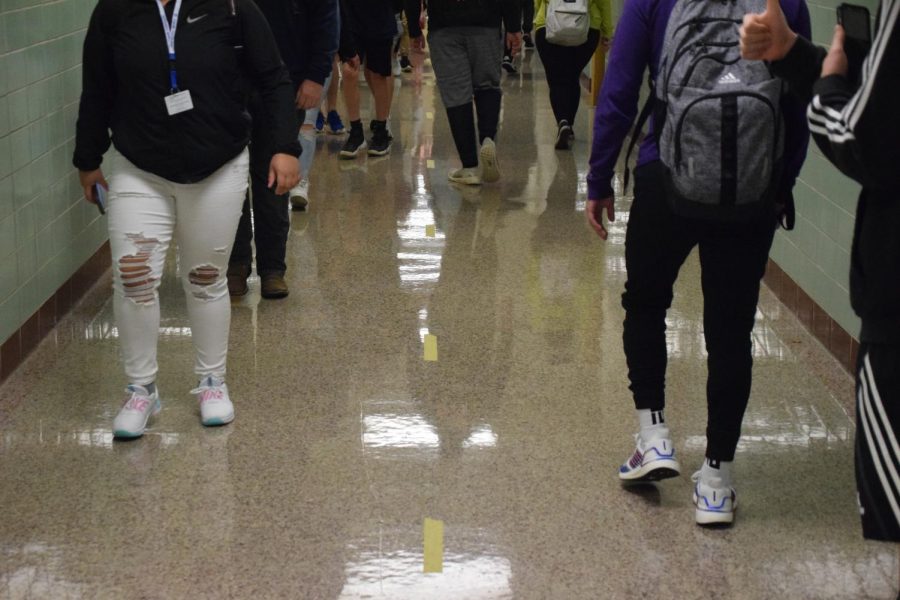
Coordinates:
<point>733,260</point>
<point>270,221</point>
<point>563,66</point>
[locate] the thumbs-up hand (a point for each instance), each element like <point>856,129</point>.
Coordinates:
<point>836,61</point>
<point>766,36</point>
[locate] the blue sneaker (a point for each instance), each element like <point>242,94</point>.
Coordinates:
<point>652,461</point>
<point>714,505</point>
<point>320,123</point>
<point>334,124</point>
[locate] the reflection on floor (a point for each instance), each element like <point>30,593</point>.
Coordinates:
<point>346,439</point>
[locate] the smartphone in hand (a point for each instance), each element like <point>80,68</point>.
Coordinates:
<point>858,38</point>
<point>100,198</point>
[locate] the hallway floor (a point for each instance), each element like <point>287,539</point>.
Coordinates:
<point>347,439</point>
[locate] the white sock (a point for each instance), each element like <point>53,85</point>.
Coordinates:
<point>653,424</point>
<point>716,473</point>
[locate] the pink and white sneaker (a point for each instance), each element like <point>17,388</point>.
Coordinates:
<point>139,407</point>
<point>215,405</point>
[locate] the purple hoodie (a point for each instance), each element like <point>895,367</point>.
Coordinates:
<point>637,45</point>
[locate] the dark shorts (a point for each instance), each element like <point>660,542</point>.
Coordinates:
<point>376,55</point>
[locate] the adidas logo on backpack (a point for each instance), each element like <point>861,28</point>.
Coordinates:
<point>714,109</point>
<point>728,78</point>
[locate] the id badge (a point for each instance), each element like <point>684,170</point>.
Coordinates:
<point>179,102</point>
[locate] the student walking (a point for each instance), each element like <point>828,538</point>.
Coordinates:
<point>306,33</point>
<point>179,170</point>
<point>466,51</point>
<point>726,207</point>
<point>564,64</point>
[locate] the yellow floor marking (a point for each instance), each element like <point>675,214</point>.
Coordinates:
<point>434,546</point>
<point>429,164</point>
<point>431,353</point>
<point>429,231</point>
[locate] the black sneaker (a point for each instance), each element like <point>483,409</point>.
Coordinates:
<point>405,65</point>
<point>381,139</point>
<point>527,41</point>
<point>355,142</point>
<point>565,136</point>
<point>508,66</point>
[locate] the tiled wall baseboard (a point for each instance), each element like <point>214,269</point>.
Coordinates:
<point>21,343</point>
<point>841,344</point>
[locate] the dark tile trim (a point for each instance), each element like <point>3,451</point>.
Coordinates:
<point>839,342</point>
<point>17,348</point>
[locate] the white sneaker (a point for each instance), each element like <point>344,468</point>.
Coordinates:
<point>465,176</point>
<point>714,505</point>
<point>215,405</point>
<point>490,167</point>
<point>299,195</point>
<point>139,407</point>
<point>652,461</point>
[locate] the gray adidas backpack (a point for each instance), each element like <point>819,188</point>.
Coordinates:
<point>718,117</point>
<point>568,22</point>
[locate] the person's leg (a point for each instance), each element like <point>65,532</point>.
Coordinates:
<point>484,46</point>
<point>527,22</point>
<point>141,217</point>
<point>208,215</point>
<point>141,224</point>
<point>241,261</point>
<point>554,58</point>
<point>271,226</point>
<point>877,450</point>
<point>449,58</point>
<point>579,59</point>
<point>732,260</point>
<point>656,245</point>
<point>350,78</point>
<point>356,141</point>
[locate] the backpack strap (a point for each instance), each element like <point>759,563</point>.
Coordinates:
<point>638,128</point>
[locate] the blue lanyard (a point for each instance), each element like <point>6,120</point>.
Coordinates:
<point>170,39</point>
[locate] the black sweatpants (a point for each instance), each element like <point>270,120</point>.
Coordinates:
<point>733,260</point>
<point>270,221</point>
<point>877,449</point>
<point>563,66</point>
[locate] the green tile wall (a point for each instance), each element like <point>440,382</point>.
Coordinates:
<point>46,230</point>
<point>817,253</point>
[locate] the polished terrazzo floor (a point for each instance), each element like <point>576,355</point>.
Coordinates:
<point>347,439</point>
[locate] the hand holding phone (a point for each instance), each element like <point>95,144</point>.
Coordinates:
<point>100,198</point>
<point>857,38</point>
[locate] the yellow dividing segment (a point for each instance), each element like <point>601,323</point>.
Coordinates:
<point>429,115</point>
<point>431,353</point>
<point>429,231</point>
<point>429,164</point>
<point>434,546</point>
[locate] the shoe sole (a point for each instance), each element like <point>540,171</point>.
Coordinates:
<point>274,296</point>
<point>374,152</point>
<point>652,472</point>
<point>124,434</point>
<point>655,475</point>
<point>490,170</point>
<point>465,181</point>
<point>330,131</point>
<point>218,421</point>
<point>564,143</point>
<point>355,153</point>
<point>299,203</point>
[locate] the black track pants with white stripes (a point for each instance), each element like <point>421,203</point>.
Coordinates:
<point>877,445</point>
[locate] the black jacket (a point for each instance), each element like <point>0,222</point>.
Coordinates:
<point>126,79</point>
<point>307,33</point>
<point>859,131</point>
<point>466,13</point>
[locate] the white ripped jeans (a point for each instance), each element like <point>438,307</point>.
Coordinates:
<point>145,212</point>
